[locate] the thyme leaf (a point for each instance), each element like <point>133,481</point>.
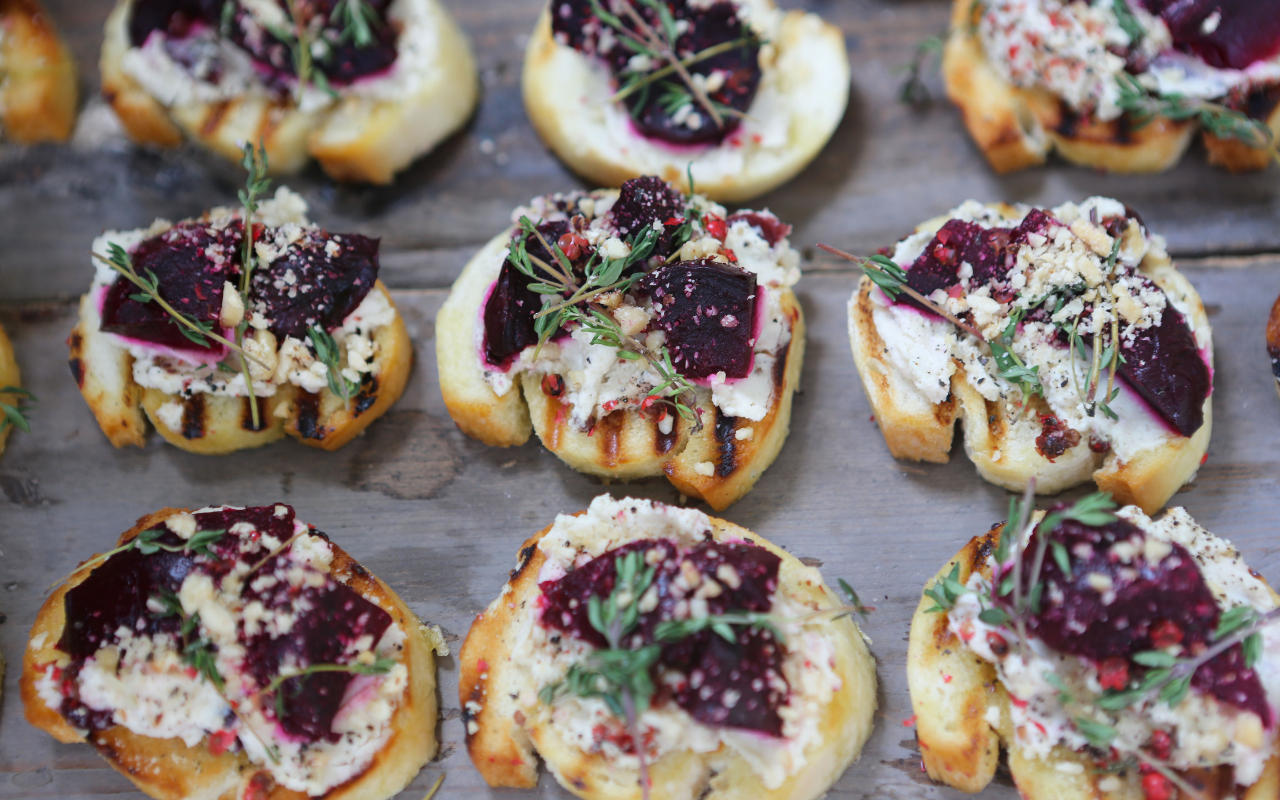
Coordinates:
<point>328,353</point>
<point>379,667</point>
<point>1218,120</point>
<point>15,414</point>
<point>914,91</point>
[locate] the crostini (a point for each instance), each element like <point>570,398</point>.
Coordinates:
<point>310,344</point>
<point>639,332</point>
<point>363,86</point>
<point>1065,340</point>
<point>38,90</point>
<point>1273,340</point>
<point>1118,85</point>
<point>235,652</point>
<point>738,669</point>
<point>1110,655</point>
<point>736,94</point>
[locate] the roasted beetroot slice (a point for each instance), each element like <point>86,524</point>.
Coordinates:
<point>1164,365</point>
<point>708,311</point>
<point>566,598</point>
<point>1246,31</point>
<point>1168,601</point>
<point>174,17</point>
<point>508,313</point>
<point>957,242</point>
<point>733,685</point>
<point>771,228</point>
<point>306,287</point>
<point>335,618</point>
<point>643,201</point>
<point>191,263</point>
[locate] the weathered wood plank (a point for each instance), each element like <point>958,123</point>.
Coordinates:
<point>439,517</point>
<point>886,168</point>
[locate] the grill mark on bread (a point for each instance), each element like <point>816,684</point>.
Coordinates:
<point>193,414</point>
<point>725,426</point>
<point>75,343</point>
<point>663,442</point>
<point>557,413</point>
<point>367,397</point>
<point>214,120</point>
<point>526,555</point>
<point>309,416</point>
<point>246,414</point>
<point>77,371</point>
<point>610,429</point>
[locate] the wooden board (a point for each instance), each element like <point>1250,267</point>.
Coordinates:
<point>439,517</point>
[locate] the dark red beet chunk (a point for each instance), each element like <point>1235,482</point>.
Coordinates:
<point>307,288</point>
<point>707,310</point>
<point>1164,604</point>
<point>508,313</point>
<point>643,201</point>
<point>957,242</point>
<point>182,259</point>
<point>574,23</point>
<point>1165,367</point>
<point>1247,31</point>
<point>730,684</point>
<point>344,63</point>
<point>771,228</point>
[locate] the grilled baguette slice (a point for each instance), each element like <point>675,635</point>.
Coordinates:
<point>359,139</point>
<point>1016,128</point>
<point>167,769</point>
<point>9,376</point>
<point>808,72</point>
<point>1005,453</point>
<point>39,93</point>
<point>960,747</point>
<point>625,445</point>
<point>502,746</point>
<point>216,425</point>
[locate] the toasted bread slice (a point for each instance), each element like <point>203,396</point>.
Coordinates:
<point>806,77</point>
<point>502,739</point>
<point>1016,128</point>
<point>38,94</point>
<point>719,465</point>
<point>1002,442</point>
<point>220,424</point>
<point>360,138</point>
<point>952,691</point>
<point>9,377</point>
<point>167,769</point>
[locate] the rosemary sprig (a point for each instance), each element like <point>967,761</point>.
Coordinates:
<point>327,353</point>
<point>914,91</point>
<point>1215,118</point>
<point>15,414</point>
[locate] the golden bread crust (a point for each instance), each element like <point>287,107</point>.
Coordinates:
<point>624,445</point>
<point>952,689</point>
<point>1273,338</point>
<point>1016,128</point>
<point>502,745</point>
<point>38,95</point>
<point>220,424</point>
<point>1004,452</point>
<point>9,376</point>
<point>195,773</point>
<point>360,139</point>
<point>811,69</point>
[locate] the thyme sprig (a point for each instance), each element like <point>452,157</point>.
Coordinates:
<point>147,544</point>
<point>618,675</point>
<point>636,81</point>
<point>891,278</point>
<point>914,91</point>
<point>15,414</point>
<point>358,21</point>
<point>199,332</point>
<point>380,666</point>
<point>328,353</point>
<point>1128,22</point>
<point>1010,366</point>
<point>1218,120</point>
<point>637,35</point>
<point>602,275</point>
<point>256,184</point>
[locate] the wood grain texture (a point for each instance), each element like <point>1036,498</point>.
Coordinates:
<point>440,517</point>
<point>887,167</point>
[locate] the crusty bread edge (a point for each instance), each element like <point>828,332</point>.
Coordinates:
<point>39,94</point>
<point>10,375</point>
